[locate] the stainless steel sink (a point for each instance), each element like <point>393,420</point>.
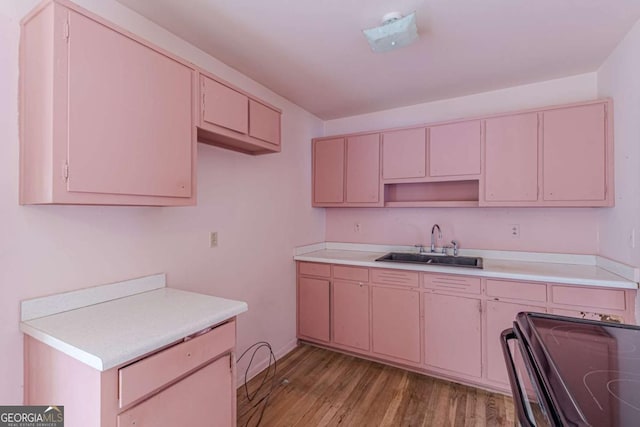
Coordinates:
<point>433,259</point>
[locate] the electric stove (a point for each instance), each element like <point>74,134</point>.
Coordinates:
<point>573,372</point>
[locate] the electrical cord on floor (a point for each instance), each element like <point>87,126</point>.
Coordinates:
<point>257,408</point>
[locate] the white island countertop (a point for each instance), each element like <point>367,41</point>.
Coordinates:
<point>549,268</point>
<point>110,333</point>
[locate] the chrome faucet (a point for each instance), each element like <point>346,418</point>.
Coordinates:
<point>456,246</point>
<point>433,236</point>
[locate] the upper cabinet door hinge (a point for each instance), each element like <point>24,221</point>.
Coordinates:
<point>202,92</point>
<point>65,171</point>
<point>66,31</point>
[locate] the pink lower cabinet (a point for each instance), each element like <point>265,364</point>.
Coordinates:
<point>609,305</point>
<point>395,318</point>
<point>202,398</point>
<point>313,308</point>
<point>351,314</point>
<point>452,338</point>
<point>500,316</point>
<point>189,383</point>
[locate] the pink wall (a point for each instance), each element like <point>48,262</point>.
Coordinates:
<point>559,91</point>
<point>256,204</point>
<point>619,78</point>
<point>541,230</point>
<point>544,230</point>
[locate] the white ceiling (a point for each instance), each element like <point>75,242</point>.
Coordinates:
<point>314,54</point>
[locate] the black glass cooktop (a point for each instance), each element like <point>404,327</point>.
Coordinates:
<point>591,369</point>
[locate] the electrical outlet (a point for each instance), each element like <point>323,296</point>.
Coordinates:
<point>356,227</point>
<point>213,239</point>
<point>632,238</point>
<point>514,230</point>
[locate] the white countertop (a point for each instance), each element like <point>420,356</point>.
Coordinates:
<point>550,272</point>
<point>114,332</point>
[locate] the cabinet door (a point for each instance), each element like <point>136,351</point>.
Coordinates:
<point>129,118</point>
<point>500,316</point>
<point>264,123</point>
<point>395,317</point>
<point>454,149</point>
<point>574,153</point>
<point>223,106</point>
<point>363,169</point>
<point>203,398</point>
<point>328,171</point>
<point>404,154</point>
<point>452,338</point>
<point>511,158</point>
<point>313,308</point>
<point>351,314</point>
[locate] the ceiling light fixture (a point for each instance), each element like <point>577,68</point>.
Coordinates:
<point>395,32</point>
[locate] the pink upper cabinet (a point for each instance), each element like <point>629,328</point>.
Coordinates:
<point>233,119</point>
<point>347,172</point>
<point>264,122</point>
<point>454,149</point>
<point>511,158</point>
<point>105,118</point>
<point>554,156</point>
<point>363,169</point>
<point>223,106</point>
<point>404,154</point>
<point>575,153</point>
<point>328,171</point>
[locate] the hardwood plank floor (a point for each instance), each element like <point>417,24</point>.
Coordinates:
<point>318,387</point>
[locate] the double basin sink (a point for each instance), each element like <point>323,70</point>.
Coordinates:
<point>432,259</point>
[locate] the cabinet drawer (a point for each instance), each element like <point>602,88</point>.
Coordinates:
<point>449,282</point>
<point>315,269</point>
<point>612,299</point>
<point>149,374</point>
<point>395,277</point>
<point>603,317</point>
<point>202,398</point>
<point>517,290</point>
<point>357,274</point>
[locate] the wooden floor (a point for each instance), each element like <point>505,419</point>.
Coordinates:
<point>317,387</point>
